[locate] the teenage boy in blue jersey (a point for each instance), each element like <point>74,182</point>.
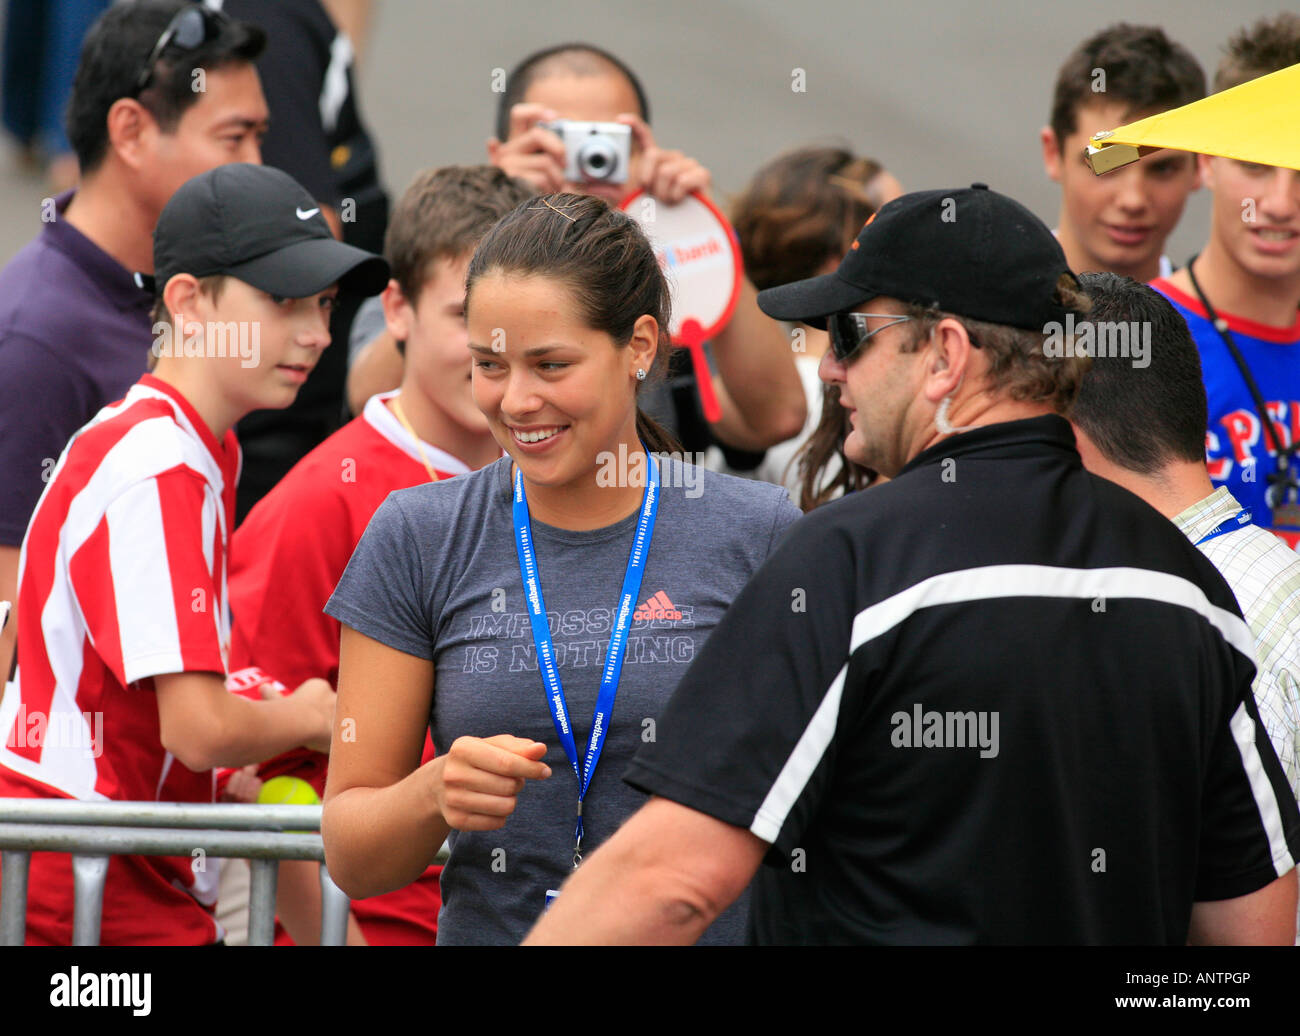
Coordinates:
<point>1240,298</point>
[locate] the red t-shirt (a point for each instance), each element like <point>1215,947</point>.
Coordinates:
<point>288,556</point>
<point>121,578</point>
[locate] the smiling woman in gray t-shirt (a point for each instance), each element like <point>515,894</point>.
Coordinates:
<point>436,576</point>
<point>567,310</point>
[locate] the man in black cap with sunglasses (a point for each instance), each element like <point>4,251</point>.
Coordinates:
<point>165,89</point>
<point>994,700</point>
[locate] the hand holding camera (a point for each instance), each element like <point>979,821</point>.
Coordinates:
<point>531,153</point>
<point>594,152</point>
<point>668,176</point>
<point>610,159</point>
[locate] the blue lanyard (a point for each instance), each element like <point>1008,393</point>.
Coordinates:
<point>1231,524</point>
<point>617,641</point>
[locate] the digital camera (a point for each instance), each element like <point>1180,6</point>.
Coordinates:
<point>599,151</point>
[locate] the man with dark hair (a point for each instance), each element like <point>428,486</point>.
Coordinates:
<point>758,386</point>
<point>1120,221</point>
<point>1241,300</point>
<point>579,81</point>
<point>1143,422</point>
<point>575,59</point>
<point>921,675</point>
<point>1143,427</point>
<point>165,90</point>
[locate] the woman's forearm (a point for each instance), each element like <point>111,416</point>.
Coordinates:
<point>380,839</point>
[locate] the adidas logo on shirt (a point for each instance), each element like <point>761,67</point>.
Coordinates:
<point>657,607</point>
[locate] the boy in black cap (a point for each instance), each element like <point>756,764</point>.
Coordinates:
<point>164,90</point>
<point>120,692</point>
<point>945,703</point>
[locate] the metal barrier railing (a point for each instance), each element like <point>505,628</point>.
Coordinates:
<point>263,835</point>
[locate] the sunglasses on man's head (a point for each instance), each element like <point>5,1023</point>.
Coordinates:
<point>849,331</point>
<point>189,30</point>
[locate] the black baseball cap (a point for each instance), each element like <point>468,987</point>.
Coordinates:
<point>257,224</point>
<point>968,251</point>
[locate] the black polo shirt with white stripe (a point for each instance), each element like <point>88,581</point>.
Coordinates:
<point>996,700</point>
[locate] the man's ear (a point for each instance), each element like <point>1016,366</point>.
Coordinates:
<point>130,131</point>
<point>948,357</point>
<point>1051,152</point>
<point>644,345</point>
<point>398,312</point>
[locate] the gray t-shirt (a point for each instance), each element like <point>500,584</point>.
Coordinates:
<point>436,575</point>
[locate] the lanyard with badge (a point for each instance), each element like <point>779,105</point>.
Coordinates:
<point>617,642</point>
<point>1283,492</point>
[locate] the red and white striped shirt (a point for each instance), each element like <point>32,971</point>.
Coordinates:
<point>122,577</point>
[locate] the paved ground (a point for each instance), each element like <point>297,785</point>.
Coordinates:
<point>944,93</point>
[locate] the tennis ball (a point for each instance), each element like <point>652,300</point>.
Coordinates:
<point>287,791</point>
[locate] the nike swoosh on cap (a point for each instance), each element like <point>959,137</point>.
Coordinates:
<point>306,215</point>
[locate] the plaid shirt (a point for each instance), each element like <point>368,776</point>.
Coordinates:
<point>1265,575</point>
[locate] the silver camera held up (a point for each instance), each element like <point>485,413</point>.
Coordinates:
<point>599,151</point>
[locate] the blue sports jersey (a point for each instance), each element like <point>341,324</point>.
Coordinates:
<point>1237,447</point>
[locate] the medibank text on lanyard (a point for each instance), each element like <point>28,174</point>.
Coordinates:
<point>617,642</point>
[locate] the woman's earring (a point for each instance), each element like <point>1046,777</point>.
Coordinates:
<point>640,374</point>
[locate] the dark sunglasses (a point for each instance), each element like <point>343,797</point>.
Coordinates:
<point>849,331</point>
<point>189,30</point>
